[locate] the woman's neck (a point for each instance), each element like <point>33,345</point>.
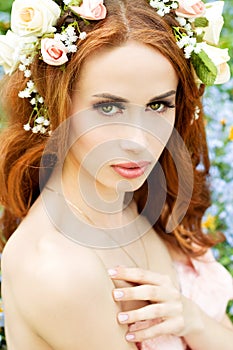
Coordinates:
<point>102,206</point>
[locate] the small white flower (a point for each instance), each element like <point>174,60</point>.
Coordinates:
<point>73,38</point>
<point>36,129</point>
<point>198,48</point>
<point>166,10</point>
<point>22,67</point>
<point>174,5</point>
<point>30,84</point>
<point>33,101</point>
<point>180,44</point>
<point>27,127</point>
<point>182,21</point>
<point>27,73</point>
<point>190,34</point>
<point>72,48</point>
<point>188,50</point>
<point>70,31</point>
<point>46,122</point>
<point>82,35</point>
<point>160,12</point>
<point>41,100</point>
<point>58,37</point>
<point>188,27</point>
<point>40,120</point>
<point>63,37</point>
<point>199,31</point>
<point>67,2</point>
<point>24,94</point>
<point>43,130</point>
<point>154,3</point>
<point>25,60</point>
<point>197,113</point>
<point>21,94</point>
<point>192,41</point>
<point>183,41</point>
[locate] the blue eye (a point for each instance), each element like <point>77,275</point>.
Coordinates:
<point>109,108</point>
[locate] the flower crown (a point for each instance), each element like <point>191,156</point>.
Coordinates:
<point>33,31</point>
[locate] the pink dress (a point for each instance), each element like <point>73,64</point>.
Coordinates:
<point>208,284</point>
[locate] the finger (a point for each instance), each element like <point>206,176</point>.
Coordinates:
<point>138,275</point>
<point>147,292</point>
<point>172,326</point>
<point>150,312</point>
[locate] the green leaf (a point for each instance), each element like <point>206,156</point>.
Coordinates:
<point>201,22</point>
<point>204,67</point>
<point>5,5</point>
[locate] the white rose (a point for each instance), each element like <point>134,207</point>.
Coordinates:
<point>35,17</point>
<point>214,15</point>
<point>11,46</point>
<point>219,57</point>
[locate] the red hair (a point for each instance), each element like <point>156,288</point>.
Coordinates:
<point>21,151</point>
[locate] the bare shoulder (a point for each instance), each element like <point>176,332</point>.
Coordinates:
<point>62,290</point>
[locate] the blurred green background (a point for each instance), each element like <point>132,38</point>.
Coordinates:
<point>218,104</point>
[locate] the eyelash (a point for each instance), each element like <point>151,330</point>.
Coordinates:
<point>100,105</point>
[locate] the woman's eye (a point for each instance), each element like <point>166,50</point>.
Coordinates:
<point>109,109</point>
<point>160,107</point>
<point>157,106</point>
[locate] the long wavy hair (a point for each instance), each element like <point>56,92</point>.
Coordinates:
<point>21,151</point>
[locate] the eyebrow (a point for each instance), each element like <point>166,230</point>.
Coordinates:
<point>121,99</point>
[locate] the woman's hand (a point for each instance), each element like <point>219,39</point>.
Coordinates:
<point>168,312</point>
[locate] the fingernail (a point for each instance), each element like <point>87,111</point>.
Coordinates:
<point>118,294</point>
<point>112,272</point>
<point>123,317</point>
<point>130,337</point>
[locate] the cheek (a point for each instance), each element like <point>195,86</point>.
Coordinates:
<point>92,147</point>
<point>158,137</point>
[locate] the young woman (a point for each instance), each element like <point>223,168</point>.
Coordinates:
<point>103,179</point>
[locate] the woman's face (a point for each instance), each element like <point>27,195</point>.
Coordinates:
<point>123,114</point>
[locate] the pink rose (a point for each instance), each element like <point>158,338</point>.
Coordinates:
<point>53,52</point>
<point>190,8</point>
<point>91,9</point>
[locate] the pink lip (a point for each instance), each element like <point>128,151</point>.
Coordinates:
<point>131,170</point>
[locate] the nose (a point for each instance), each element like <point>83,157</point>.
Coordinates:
<point>135,141</point>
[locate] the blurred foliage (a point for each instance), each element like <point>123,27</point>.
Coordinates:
<point>5,7</point>
<point>218,104</point>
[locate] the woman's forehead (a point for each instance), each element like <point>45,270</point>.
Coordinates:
<point>133,66</point>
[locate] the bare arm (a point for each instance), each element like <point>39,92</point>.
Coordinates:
<point>70,305</point>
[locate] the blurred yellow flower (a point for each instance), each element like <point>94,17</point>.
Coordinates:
<point>223,122</point>
<point>209,223</point>
<point>231,134</point>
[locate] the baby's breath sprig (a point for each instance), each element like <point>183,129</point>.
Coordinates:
<point>164,7</point>
<point>38,121</point>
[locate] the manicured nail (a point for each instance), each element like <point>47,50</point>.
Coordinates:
<point>118,294</point>
<point>112,272</point>
<point>123,317</point>
<point>130,337</point>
